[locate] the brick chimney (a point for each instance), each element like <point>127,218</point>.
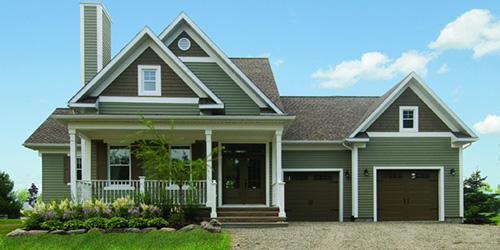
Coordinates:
<point>95,39</point>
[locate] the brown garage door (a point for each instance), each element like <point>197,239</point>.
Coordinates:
<point>407,195</point>
<point>312,196</point>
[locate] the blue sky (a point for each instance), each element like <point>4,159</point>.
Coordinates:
<point>316,49</point>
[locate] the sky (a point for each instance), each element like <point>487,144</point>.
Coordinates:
<point>322,48</point>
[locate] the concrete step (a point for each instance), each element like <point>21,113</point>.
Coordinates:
<point>249,219</point>
<point>254,224</point>
<point>248,209</point>
<point>247,213</point>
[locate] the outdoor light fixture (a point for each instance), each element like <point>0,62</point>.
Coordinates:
<point>452,172</point>
<point>347,174</point>
<point>366,172</point>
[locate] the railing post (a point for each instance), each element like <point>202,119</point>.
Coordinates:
<point>72,156</point>
<point>142,182</point>
<point>279,178</point>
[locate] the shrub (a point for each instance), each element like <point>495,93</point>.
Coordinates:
<point>98,222</point>
<point>157,222</point>
<point>191,213</point>
<point>73,224</point>
<point>479,205</point>
<point>9,205</point>
<point>52,225</point>
<point>116,222</point>
<point>174,218</point>
<point>137,222</point>
<point>33,222</point>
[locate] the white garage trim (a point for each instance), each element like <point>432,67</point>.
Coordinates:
<point>341,183</point>
<point>440,186</point>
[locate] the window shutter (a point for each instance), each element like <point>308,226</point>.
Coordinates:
<point>66,169</point>
<point>102,161</point>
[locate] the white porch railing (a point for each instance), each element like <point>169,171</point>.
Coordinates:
<point>150,189</point>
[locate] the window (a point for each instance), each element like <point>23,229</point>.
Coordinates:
<point>181,153</point>
<point>184,44</point>
<point>79,168</point>
<point>408,121</point>
<point>119,163</point>
<point>149,80</point>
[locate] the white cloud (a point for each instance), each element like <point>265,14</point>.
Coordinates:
<point>490,125</point>
<point>443,69</point>
<point>278,62</point>
<point>476,29</point>
<point>373,66</point>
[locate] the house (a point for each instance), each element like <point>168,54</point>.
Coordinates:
<point>334,158</point>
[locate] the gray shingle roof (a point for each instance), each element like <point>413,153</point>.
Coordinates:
<point>260,72</point>
<point>324,118</point>
<point>51,131</point>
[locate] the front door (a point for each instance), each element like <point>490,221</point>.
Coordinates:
<point>243,174</point>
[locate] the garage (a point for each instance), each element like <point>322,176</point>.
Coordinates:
<point>407,195</point>
<point>312,196</point>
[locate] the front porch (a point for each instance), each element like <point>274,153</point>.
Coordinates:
<point>247,174</point>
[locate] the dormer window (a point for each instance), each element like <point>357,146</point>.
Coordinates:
<point>408,119</point>
<point>149,80</point>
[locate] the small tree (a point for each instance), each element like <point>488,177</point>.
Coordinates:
<point>33,199</point>
<point>151,148</point>
<point>479,205</point>
<point>22,195</point>
<point>9,205</point>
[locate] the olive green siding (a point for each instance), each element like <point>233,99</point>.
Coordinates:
<point>236,101</point>
<point>195,49</point>
<point>106,39</point>
<point>53,185</point>
<point>428,121</point>
<point>127,83</point>
<point>93,160</point>
<point>148,108</point>
<point>408,152</point>
<point>323,159</point>
<point>90,42</point>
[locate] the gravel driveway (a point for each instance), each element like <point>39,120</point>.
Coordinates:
<point>369,235</point>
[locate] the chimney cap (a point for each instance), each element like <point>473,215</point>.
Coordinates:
<point>92,3</point>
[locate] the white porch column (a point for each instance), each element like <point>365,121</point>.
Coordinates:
<point>211,185</point>
<point>86,156</point>
<point>72,157</point>
<point>354,180</point>
<point>279,178</point>
<point>274,185</point>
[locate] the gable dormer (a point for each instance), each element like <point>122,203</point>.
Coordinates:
<point>184,45</point>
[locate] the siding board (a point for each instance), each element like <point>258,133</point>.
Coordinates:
<point>428,121</point>
<point>323,159</point>
<point>148,108</point>
<point>53,185</point>
<point>409,152</point>
<point>90,42</point>
<point>236,101</point>
<point>195,49</point>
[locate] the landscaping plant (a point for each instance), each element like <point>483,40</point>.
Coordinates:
<point>479,205</point>
<point>9,205</point>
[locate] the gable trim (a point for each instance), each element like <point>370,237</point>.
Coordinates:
<point>142,99</point>
<point>191,80</point>
<point>260,98</point>
<point>397,92</point>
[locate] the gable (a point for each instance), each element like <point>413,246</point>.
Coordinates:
<point>236,101</point>
<point>428,121</point>
<point>195,50</point>
<point>126,84</point>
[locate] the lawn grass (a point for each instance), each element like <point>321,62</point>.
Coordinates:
<point>197,239</point>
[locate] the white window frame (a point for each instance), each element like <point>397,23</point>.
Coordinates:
<point>129,163</point>
<point>79,168</point>
<point>141,90</point>
<point>415,118</point>
<point>190,156</point>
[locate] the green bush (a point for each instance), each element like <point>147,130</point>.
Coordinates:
<point>73,224</point>
<point>137,222</point>
<point>157,222</point>
<point>9,205</point>
<point>116,222</point>
<point>174,218</point>
<point>52,225</point>
<point>33,222</point>
<point>96,222</point>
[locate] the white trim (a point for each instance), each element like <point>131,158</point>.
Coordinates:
<point>95,4</point>
<point>82,105</point>
<point>310,142</point>
<point>140,77</point>
<point>410,134</point>
<point>99,38</point>
<point>211,106</point>
<point>196,59</point>
<point>414,109</point>
<point>133,99</point>
<point>219,173</point>
<point>358,139</point>
<point>390,99</point>
<point>82,45</point>
<point>213,47</point>
<point>461,181</point>
<point>354,181</point>
<point>312,147</point>
<point>196,85</point>
<point>188,44</point>
<point>341,183</point>
<point>268,186</point>
<point>440,186</point>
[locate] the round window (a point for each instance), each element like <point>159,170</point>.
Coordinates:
<point>184,44</point>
